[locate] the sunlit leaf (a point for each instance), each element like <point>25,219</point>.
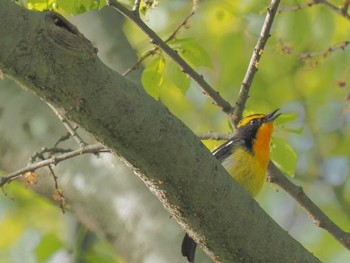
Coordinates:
<point>49,244</point>
<point>67,6</point>
<point>78,6</point>
<point>11,230</point>
<point>174,74</point>
<point>153,77</point>
<point>192,51</point>
<point>101,4</point>
<point>283,156</point>
<point>284,118</point>
<point>145,5</point>
<point>39,5</point>
<point>102,252</point>
<point>296,131</point>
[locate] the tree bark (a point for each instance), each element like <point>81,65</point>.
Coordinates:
<point>27,125</point>
<point>47,55</point>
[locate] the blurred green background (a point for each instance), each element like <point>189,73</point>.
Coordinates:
<point>217,41</point>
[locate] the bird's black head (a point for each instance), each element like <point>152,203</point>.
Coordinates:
<point>249,126</point>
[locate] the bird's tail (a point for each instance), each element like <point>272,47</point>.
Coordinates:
<point>188,248</point>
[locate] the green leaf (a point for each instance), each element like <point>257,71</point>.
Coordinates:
<point>101,4</point>
<point>66,5</point>
<point>296,131</point>
<point>49,244</point>
<point>78,6</point>
<point>146,5</point>
<point>153,77</point>
<point>71,7</point>
<point>192,52</point>
<point>174,74</point>
<point>87,5</point>
<point>283,156</point>
<point>39,5</point>
<point>284,118</point>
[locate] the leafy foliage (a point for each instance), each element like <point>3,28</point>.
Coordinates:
<point>312,90</point>
<point>26,237</point>
<point>64,6</point>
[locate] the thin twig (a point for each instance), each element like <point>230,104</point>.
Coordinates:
<point>254,62</point>
<point>58,194</point>
<point>297,7</point>
<point>62,139</point>
<point>138,62</point>
<point>184,23</point>
<point>69,128</point>
<point>343,10</point>
<point>44,150</point>
<point>215,135</point>
<point>96,148</point>
<point>136,7</point>
<point>186,68</point>
<point>154,49</point>
<point>306,55</point>
<point>318,217</point>
<point>345,6</point>
<point>339,10</point>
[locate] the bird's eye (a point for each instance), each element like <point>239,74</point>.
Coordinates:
<point>253,122</point>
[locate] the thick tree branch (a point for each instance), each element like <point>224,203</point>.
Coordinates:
<point>38,52</point>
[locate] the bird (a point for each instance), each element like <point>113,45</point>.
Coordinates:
<point>245,157</point>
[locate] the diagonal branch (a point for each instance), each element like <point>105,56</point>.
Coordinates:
<point>254,62</point>
<point>94,149</point>
<point>186,68</point>
<point>297,7</point>
<point>154,49</point>
<point>318,217</point>
<point>343,10</point>
<point>325,53</point>
<point>339,10</point>
<point>68,126</point>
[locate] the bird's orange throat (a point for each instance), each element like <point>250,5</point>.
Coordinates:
<point>261,144</point>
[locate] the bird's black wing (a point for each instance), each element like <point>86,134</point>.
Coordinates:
<point>225,149</point>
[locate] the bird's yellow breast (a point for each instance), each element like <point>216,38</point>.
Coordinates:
<point>248,166</point>
<point>246,170</point>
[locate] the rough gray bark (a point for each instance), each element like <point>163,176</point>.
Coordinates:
<point>48,56</point>
<point>27,125</point>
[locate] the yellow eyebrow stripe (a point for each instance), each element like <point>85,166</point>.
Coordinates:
<point>246,120</point>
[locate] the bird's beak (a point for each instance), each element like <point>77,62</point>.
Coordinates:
<point>272,116</point>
